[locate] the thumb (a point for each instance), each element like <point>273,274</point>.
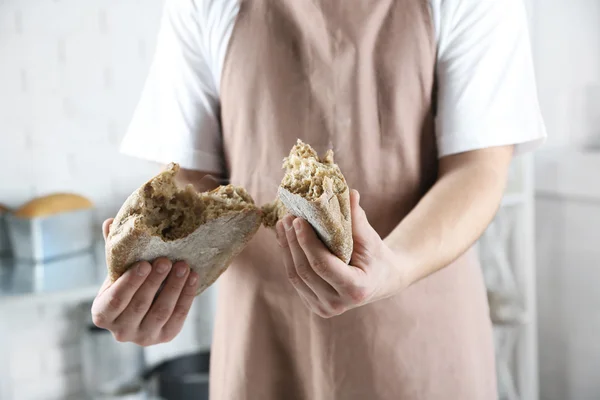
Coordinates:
<point>362,231</point>
<point>106,227</point>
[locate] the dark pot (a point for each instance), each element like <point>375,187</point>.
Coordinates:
<point>182,378</point>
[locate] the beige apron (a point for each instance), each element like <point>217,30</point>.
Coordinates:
<point>358,76</point>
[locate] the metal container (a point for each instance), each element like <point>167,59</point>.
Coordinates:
<point>45,238</point>
<point>4,242</point>
<point>20,277</point>
<point>111,370</point>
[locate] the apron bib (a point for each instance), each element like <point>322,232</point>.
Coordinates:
<point>356,76</point>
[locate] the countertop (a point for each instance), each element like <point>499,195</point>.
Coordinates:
<point>70,278</point>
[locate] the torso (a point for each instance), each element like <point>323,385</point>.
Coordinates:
<point>359,80</point>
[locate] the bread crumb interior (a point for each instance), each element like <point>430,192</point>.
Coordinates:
<point>273,212</point>
<point>173,213</point>
<point>305,172</point>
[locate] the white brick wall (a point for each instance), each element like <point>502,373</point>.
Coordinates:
<point>70,77</point>
<point>70,74</point>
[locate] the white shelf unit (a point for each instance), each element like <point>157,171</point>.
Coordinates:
<point>508,258</point>
<point>507,252</point>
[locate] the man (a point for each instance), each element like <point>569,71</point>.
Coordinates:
<point>425,103</point>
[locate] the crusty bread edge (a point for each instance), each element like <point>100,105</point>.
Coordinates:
<point>234,250</point>
<point>131,234</point>
<point>329,215</point>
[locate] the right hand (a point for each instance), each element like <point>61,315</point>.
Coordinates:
<point>131,309</point>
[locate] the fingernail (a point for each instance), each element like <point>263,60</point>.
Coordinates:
<point>297,225</point>
<point>280,229</point>
<point>193,279</point>
<point>143,269</point>
<point>180,271</point>
<point>287,222</point>
<point>162,267</point>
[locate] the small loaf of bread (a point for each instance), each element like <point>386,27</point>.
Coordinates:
<point>314,189</point>
<point>206,230</point>
<point>53,204</point>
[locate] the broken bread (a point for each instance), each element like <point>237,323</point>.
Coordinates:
<point>314,189</point>
<point>273,212</point>
<point>206,230</point>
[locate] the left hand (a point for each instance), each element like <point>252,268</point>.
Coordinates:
<point>326,284</point>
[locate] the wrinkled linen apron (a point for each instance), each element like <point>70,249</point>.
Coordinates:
<point>356,76</point>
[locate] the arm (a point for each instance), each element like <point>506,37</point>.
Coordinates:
<point>487,109</point>
<point>453,214</point>
<point>445,223</point>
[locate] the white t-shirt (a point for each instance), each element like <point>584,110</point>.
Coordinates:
<point>487,93</point>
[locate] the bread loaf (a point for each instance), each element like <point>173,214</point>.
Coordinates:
<point>206,230</point>
<point>57,203</point>
<point>314,188</point>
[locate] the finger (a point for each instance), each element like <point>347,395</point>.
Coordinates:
<point>163,305</point>
<point>303,268</point>
<point>301,287</point>
<point>106,227</point>
<point>105,285</point>
<point>359,217</point>
<point>366,239</point>
<point>142,299</point>
<point>323,263</point>
<point>182,308</point>
<point>361,228</point>
<point>113,300</point>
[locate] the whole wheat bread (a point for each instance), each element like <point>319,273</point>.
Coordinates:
<point>206,230</point>
<point>314,188</point>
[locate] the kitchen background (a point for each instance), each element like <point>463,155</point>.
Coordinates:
<point>70,75</point>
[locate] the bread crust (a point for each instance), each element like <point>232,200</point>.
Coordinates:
<point>208,250</point>
<point>53,204</point>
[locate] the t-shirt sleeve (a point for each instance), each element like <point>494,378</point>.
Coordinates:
<point>487,94</point>
<point>177,117</point>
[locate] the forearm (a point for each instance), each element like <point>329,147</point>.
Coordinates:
<point>452,215</point>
